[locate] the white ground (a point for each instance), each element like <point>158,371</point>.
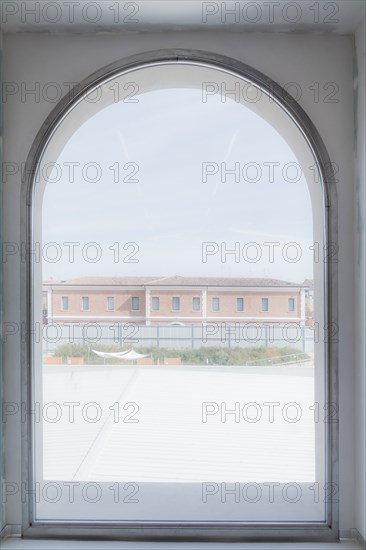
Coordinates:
<point>168,440</point>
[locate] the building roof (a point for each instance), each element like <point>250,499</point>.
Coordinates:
<point>175,280</point>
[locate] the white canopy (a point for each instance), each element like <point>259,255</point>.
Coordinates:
<point>106,355</point>
<point>132,355</point>
<point>128,355</point>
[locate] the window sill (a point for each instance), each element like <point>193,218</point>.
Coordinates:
<point>14,543</point>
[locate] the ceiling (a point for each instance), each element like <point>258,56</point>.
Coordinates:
<point>311,16</point>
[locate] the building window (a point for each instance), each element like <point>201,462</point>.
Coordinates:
<point>65,303</point>
<point>265,304</point>
<point>155,303</point>
<point>176,303</point>
<point>85,303</point>
<point>291,304</point>
<point>240,304</point>
<point>196,304</point>
<point>110,303</point>
<point>45,316</point>
<point>215,304</point>
<point>135,303</point>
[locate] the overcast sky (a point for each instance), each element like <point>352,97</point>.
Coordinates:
<point>170,211</point>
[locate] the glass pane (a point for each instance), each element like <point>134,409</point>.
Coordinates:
<point>200,386</point>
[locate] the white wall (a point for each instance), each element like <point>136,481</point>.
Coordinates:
<point>285,58</point>
<point>360,287</point>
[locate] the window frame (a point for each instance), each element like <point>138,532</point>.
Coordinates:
<point>197,310</point>
<point>197,531</point>
<point>218,304</point>
<point>138,303</point>
<point>152,301</point>
<point>265,310</point>
<point>62,303</point>
<point>242,302</point>
<point>113,302</point>
<point>82,303</point>
<point>175,300</point>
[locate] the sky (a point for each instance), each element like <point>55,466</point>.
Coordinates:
<point>150,191</point>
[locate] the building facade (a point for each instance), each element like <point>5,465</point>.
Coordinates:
<point>174,300</point>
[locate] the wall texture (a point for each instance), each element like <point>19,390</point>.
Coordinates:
<point>301,59</point>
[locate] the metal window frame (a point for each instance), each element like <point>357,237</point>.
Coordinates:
<point>185,531</point>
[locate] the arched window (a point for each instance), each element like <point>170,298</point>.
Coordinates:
<point>180,205</point>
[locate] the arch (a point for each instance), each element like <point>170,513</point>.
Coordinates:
<point>293,124</point>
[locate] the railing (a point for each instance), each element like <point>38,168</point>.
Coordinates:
<point>280,360</point>
<point>180,337</point>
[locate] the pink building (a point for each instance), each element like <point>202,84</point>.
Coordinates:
<point>173,300</point>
